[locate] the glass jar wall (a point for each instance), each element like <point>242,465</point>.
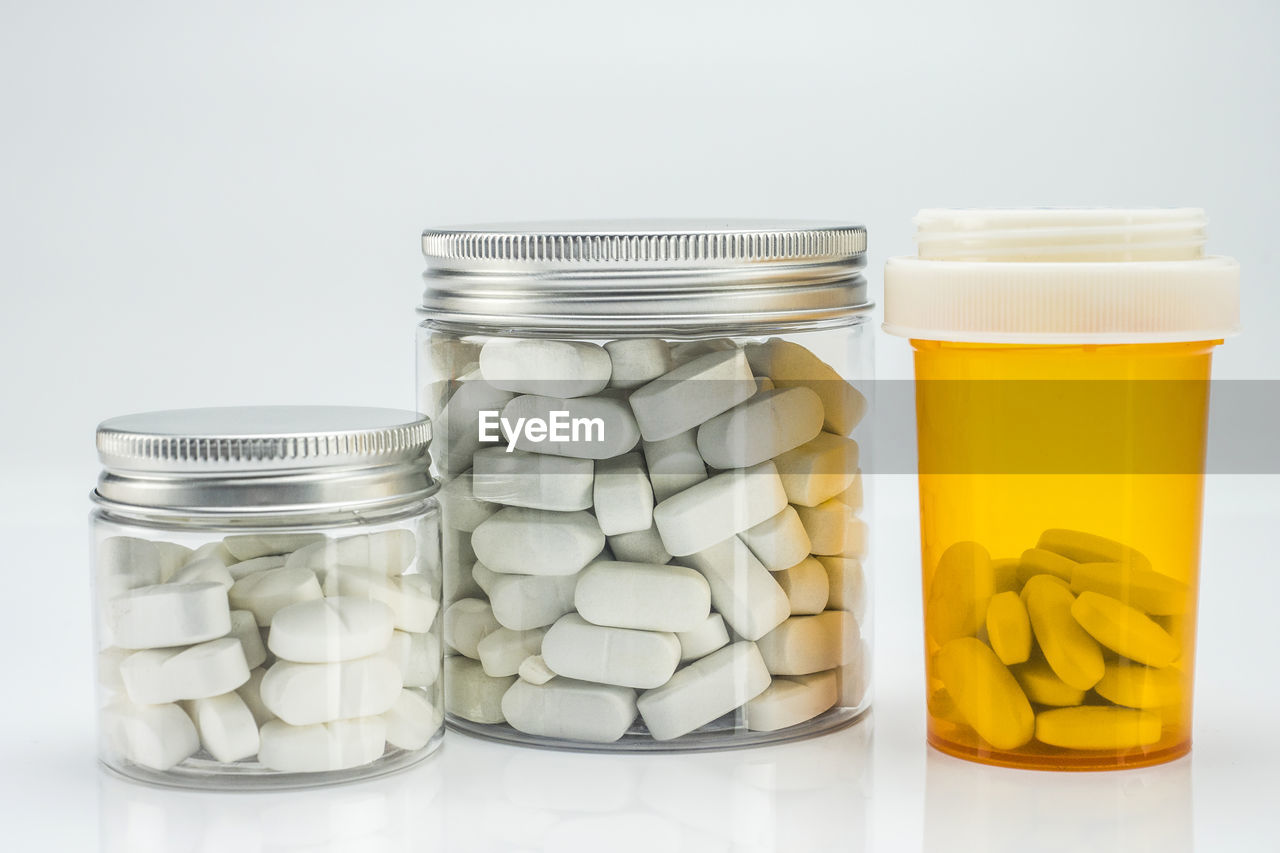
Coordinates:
<point>655,534</point>
<point>276,623</point>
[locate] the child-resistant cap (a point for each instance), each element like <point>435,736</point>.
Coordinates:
<point>1062,277</point>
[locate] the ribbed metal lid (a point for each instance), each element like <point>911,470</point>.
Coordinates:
<point>645,274</point>
<point>263,458</point>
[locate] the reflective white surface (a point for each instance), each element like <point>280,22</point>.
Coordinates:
<point>871,787</point>
<point>498,797</point>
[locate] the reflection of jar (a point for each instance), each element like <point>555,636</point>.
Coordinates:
<point>779,796</point>
<point>1147,808</point>
<point>652,501</point>
<point>396,812</point>
<point>1062,365</point>
<point>267,586</point>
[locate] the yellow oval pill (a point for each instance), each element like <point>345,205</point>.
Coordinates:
<point>1008,628</point>
<point>1150,592</point>
<point>1088,548</point>
<point>1048,578</point>
<point>985,693</point>
<point>1037,561</point>
<point>1074,656</point>
<point>959,591</point>
<point>1125,630</point>
<point>1141,686</point>
<point>1043,687</point>
<point>1097,727</point>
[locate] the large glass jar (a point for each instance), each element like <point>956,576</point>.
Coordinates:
<point>266,595</point>
<point>654,527</point>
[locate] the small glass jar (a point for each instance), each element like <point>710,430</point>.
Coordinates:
<point>655,536</point>
<point>1062,362</point>
<point>266,596</point>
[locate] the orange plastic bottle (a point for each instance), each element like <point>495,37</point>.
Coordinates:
<point>1062,362</point>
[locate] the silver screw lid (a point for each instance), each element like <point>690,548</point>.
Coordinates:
<point>634,275</point>
<point>263,459</point>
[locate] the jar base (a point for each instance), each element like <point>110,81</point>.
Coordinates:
<point>706,739</point>
<point>208,775</point>
<point>1059,760</point>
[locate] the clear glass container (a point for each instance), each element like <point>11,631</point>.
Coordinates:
<point>654,529</point>
<point>266,588</point>
<point>1062,363</point>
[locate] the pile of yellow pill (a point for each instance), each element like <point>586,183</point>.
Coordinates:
<point>1068,646</point>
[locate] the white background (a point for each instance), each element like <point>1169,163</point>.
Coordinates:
<point>218,203</point>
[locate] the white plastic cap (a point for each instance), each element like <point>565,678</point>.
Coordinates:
<point>1062,277</point>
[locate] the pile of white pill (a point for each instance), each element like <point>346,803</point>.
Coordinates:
<point>295,653</point>
<point>647,538</point>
